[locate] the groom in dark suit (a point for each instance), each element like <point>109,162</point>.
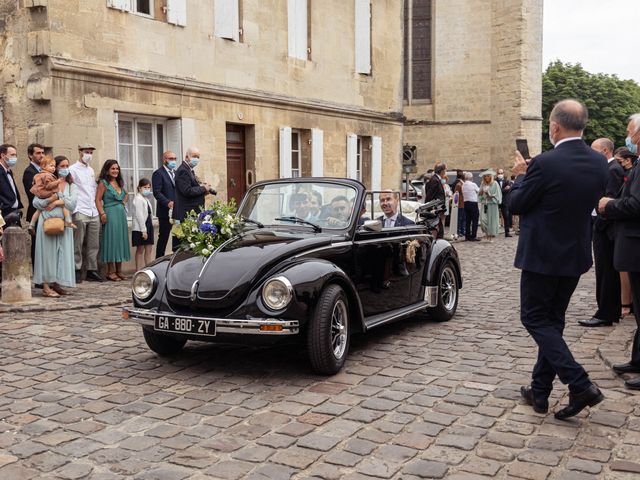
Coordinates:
<point>625,211</point>
<point>164,191</point>
<point>190,192</point>
<point>389,206</point>
<point>554,249</point>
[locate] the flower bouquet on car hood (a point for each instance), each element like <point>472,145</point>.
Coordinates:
<point>205,231</point>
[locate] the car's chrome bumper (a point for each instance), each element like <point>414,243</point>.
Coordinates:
<point>245,326</point>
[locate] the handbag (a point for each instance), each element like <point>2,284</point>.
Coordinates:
<point>53,226</point>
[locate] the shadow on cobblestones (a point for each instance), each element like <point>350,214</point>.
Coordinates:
<point>82,397</point>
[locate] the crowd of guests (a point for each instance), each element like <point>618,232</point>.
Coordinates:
<point>483,206</point>
<point>77,219</point>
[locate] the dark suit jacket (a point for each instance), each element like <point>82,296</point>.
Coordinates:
<point>27,182</point>
<point>613,189</point>
<point>505,187</point>
<point>433,189</point>
<point>164,191</point>
<point>401,221</point>
<point>555,200</point>
<point>626,213</point>
<point>7,197</point>
<point>189,193</point>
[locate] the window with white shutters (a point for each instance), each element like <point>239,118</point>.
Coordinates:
<point>124,5</point>
<point>352,156</point>
<point>376,163</point>
<point>177,12</point>
<point>226,19</point>
<point>297,23</point>
<point>317,152</point>
<point>363,36</point>
<point>285,152</point>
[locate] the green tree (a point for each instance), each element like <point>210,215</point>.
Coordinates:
<point>609,99</point>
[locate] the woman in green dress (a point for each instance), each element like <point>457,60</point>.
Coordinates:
<point>111,198</point>
<point>489,198</point>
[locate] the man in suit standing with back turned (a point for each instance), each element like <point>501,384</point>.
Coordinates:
<point>607,278</point>
<point>554,249</point>
<point>626,213</point>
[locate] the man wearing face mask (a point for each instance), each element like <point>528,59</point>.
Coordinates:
<point>164,191</point>
<point>554,250</point>
<point>86,238</point>
<point>190,192</point>
<point>625,211</point>
<point>607,278</point>
<point>9,196</point>
<point>434,189</point>
<point>505,186</point>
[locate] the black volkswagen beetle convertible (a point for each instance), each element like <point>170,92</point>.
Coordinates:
<point>313,262</point>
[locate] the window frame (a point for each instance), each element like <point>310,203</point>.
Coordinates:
<point>296,172</point>
<point>134,9</point>
<point>155,145</point>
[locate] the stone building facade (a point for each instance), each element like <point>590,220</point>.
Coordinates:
<point>269,88</point>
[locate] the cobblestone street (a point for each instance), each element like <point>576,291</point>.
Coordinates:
<point>81,396</point>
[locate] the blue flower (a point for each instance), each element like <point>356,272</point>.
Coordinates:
<point>208,228</point>
<point>204,214</point>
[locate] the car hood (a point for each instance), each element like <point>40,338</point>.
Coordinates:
<point>226,277</point>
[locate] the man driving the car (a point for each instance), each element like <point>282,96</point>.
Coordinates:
<point>389,205</point>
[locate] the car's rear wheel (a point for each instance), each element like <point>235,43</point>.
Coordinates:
<point>328,333</point>
<point>163,344</point>
<point>447,293</point>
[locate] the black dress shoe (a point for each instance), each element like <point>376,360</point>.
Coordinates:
<point>507,235</point>
<point>626,368</point>
<point>94,276</point>
<point>595,322</point>
<point>78,276</point>
<point>579,401</point>
<point>37,285</point>
<point>540,405</point>
<point>633,384</point>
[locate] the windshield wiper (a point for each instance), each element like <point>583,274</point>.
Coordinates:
<point>316,228</point>
<point>255,222</point>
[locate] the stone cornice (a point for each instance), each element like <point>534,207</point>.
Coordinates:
<point>62,67</point>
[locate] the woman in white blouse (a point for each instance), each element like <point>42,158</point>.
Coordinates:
<point>142,231</point>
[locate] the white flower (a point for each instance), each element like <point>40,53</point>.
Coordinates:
<point>192,245</point>
<point>205,252</point>
<point>210,247</point>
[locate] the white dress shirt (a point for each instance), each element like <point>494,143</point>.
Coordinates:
<point>390,222</point>
<point>85,179</point>
<point>13,186</point>
<point>470,191</point>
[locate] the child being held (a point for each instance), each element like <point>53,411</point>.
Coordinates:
<point>46,184</point>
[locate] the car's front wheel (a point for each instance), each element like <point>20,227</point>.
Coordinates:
<point>328,333</point>
<point>447,293</point>
<point>163,344</point>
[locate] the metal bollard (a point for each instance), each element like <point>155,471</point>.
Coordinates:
<point>16,267</point>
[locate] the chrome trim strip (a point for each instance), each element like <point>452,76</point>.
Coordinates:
<point>249,326</point>
<point>396,316</point>
<point>326,247</point>
<point>392,238</point>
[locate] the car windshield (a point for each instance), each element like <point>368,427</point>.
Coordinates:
<point>312,204</point>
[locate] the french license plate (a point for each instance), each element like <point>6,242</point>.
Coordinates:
<point>195,326</point>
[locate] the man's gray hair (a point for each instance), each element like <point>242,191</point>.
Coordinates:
<point>635,118</point>
<point>468,176</point>
<point>570,114</point>
<point>606,143</point>
<point>439,168</point>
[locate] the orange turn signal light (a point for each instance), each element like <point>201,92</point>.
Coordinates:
<point>125,314</point>
<point>270,328</point>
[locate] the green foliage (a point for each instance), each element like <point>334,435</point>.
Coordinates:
<point>609,99</point>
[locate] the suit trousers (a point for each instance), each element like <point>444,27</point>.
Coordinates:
<point>164,232</point>
<point>634,279</point>
<point>543,303</point>
<point>86,241</point>
<point>462,220</point>
<point>506,216</point>
<point>607,278</point>
<point>472,215</point>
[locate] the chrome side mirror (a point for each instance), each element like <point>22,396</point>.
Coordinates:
<point>372,225</point>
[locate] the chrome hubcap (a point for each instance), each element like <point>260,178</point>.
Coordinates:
<point>448,288</point>
<point>339,328</point>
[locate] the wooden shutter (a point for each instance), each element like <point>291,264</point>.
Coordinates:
<point>188,133</point>
<point>120,4</point>
<point>317,152</point>
<point>297,28</point>
<point>174,137</point>
<point>226,19</point>
<point>177,12</point>
<point>352,156</point>
<point>376,163</point>
<point>363,36</point>
<point>285,152</point>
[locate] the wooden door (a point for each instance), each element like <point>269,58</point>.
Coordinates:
<point>236,162</point>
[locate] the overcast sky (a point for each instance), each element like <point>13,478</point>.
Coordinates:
<point>602,35</point>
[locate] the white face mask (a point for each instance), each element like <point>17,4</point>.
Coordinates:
<point>86,157</point>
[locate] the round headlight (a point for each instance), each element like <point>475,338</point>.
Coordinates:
<point>144,283</point>
<point>277,293</point>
